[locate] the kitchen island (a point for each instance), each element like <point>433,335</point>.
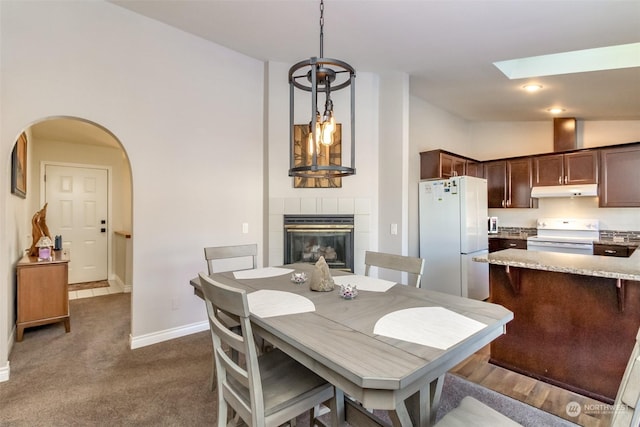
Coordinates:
<point>575,317</point>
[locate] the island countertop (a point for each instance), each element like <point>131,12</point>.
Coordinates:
<point>586,265</point>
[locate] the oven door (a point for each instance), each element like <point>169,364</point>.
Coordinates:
<point>563,247</point>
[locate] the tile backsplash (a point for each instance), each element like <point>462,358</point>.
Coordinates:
<point>624,236</point>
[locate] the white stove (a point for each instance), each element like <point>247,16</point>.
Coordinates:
<point>574,236</point>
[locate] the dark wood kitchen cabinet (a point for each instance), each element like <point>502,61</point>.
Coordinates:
<point>474,168</point>
<point>580,167</point>
<point>619,177</point>
<point>604,249</point>
<point>509,183</point>
<point>499,243</point>
<point>441,164</point>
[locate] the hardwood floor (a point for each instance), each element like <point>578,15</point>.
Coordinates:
<point>547,397</point>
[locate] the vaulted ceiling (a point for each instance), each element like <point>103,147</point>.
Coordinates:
<point>447,47</point>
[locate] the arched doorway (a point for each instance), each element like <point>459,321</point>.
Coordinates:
<point>68,146</point>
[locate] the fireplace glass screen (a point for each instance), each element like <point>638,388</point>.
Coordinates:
<point>308,237</point>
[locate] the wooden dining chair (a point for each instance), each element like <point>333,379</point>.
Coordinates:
<point>626,408</point>
<point>407,264</point>
<point>219,258</point>
<point>263,390</point>
<point>229,258</point>
<point>472,412</point>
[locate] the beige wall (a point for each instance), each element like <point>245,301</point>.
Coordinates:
<point>189,114</point>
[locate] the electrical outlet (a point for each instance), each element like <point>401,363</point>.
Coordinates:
<point>175,304</point>
<point>245,227</point>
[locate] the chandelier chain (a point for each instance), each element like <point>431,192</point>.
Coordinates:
<point>321,28</point>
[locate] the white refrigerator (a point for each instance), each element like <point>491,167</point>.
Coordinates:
<point>453,229</point>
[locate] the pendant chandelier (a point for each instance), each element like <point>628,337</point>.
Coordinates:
<point>320,75</point>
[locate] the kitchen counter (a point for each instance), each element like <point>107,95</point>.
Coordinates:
<point>575,317</point>
<point>506,235</point>
<point>586,265</point>
<point>615,243</point>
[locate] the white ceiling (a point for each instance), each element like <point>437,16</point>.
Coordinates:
<point>447,47</point>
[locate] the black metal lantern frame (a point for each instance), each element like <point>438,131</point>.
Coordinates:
<point>320,75</point>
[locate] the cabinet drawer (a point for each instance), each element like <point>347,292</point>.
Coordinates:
<point>612,250</point>
<point>498,244</point>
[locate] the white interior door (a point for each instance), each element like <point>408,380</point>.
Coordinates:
<point>77,210</point>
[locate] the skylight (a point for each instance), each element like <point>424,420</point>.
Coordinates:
<point>579,61</point>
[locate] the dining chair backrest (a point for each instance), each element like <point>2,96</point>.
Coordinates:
<point>287,389</point>
<point>233,303</point>
<point>626,409</point>
<point>407,264</point>
<point>215,257</point>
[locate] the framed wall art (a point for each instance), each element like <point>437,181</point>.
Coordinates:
<point>327,155</point>
<point>19,167</point>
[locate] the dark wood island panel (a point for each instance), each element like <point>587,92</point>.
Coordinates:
<point>571,330</point>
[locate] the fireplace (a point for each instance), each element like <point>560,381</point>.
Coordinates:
<point>308,237</point>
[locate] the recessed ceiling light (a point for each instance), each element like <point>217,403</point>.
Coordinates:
<point>578,61</point>
<point>533,87</point>
<point>556,110</point>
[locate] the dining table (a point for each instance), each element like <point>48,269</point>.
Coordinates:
<point>387,348</point>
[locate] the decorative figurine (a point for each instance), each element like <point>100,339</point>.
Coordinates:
<point>348,291</point>
<point>39,229</point>
<point>321,279</point>
<point>299,278</point>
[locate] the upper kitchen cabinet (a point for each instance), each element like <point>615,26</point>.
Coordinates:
<point>509,183</point>
<point>619,177</point>
<point>580,167</point>
<point>474,169</point>
<point>442,164</point>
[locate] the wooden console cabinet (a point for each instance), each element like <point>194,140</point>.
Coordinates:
<point>43,294</point>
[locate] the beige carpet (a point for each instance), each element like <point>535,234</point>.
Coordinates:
<point>88,285</point>
<point>90,377</point>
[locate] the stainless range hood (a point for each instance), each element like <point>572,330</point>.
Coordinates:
<point>585,190</point>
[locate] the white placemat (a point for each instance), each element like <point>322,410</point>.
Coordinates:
<point>260,273</point>
<point>431,326</point>
<point>365,283</point>
<point>268,303</point>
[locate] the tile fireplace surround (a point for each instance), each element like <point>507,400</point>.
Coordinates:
<point>359,208</point>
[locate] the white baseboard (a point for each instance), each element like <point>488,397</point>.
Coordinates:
<point>4,373</point>
<point>166,335</point>
<point>125,288</point>
<point>4,370</point>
